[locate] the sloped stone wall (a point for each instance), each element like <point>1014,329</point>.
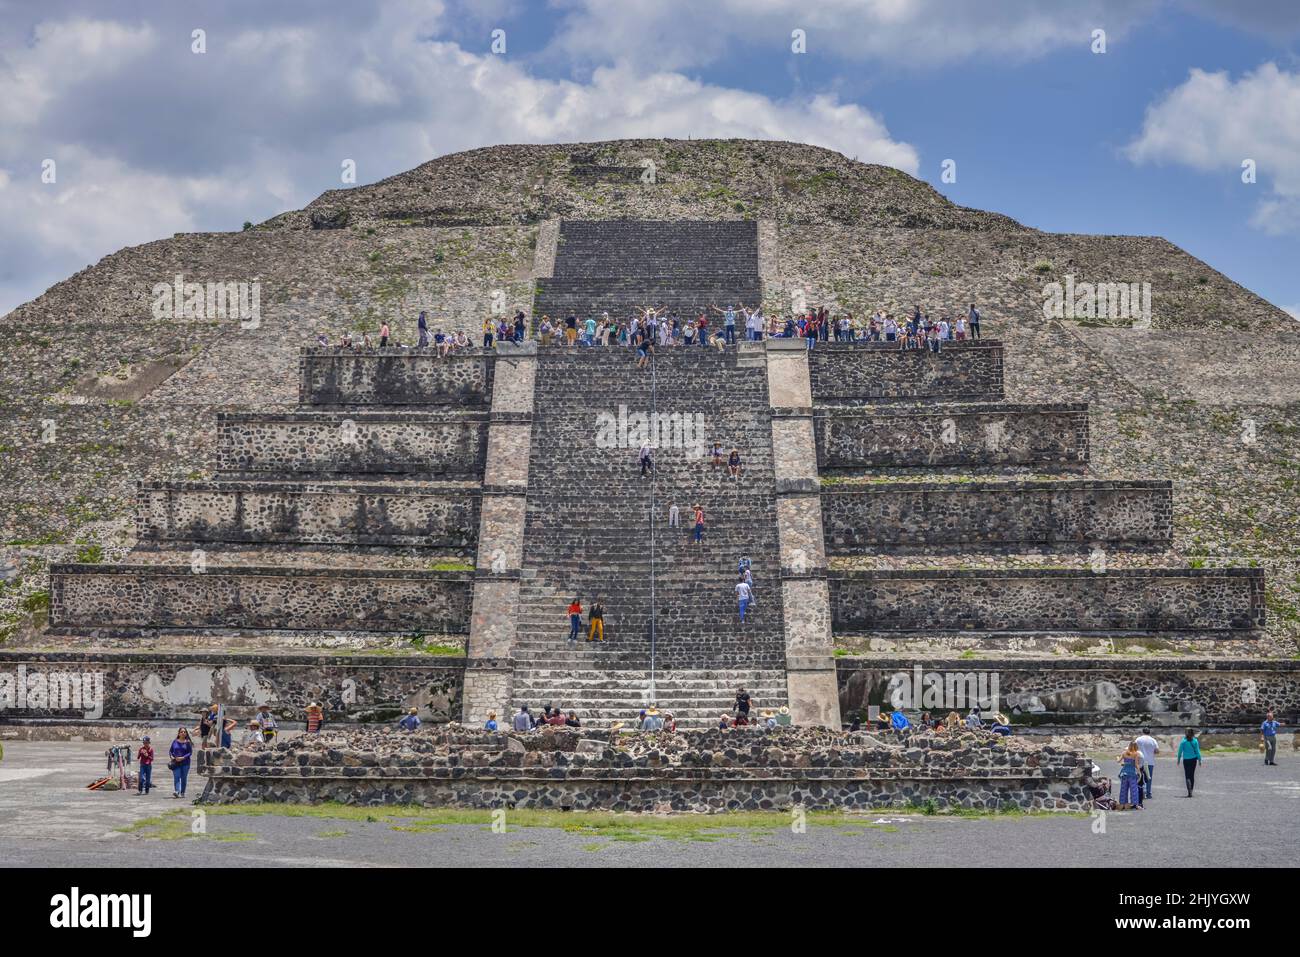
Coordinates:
<point>393,377</point>
<point>1209,601</point>
<point>903,517</point>
<point>285,512</point>
<point>160,597</point>
<point>865,372</point>
<point>1042,435</point>
<point>1165,693</point>
<point>386,443</point>
<point>141,686</point>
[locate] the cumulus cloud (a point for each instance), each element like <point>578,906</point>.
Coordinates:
<point>1213,123</point>
<point>151,138</point>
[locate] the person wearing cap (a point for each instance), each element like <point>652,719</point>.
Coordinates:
<point>145,756</point>
<point>266,721</point>
<point>411,721</point>
<point>491,724</point>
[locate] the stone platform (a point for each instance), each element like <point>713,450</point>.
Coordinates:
<point>744,769</point>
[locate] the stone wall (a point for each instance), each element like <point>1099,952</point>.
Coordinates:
<point>705,771</point>
<point>330,376</point>
<point>1204,693</point>
<point>1208,601</point>
<point>1042,435</point>
<point>388,443</point>
<point>148,686</point>
<point>284,512</point>
<point>805,600</point>
<point>863,372</point>
<point>159,597</point>
<point>900,517</point>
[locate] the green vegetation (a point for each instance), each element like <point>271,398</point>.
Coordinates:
<point>613,827</point>
<point>90,554</point>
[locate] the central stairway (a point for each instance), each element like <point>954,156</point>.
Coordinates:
<point>596,527</point>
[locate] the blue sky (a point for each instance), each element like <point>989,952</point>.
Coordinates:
<point>1147,137</point>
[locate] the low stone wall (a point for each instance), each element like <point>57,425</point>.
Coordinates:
<point>283,512</point>
<point>328,443</point>
<point>329,376</point>
<point>901,517</point>
<point>158,597</point>
<point>1202,601</point>
<point>871,372</point>
<point>154,686</point>
<point>1208,693</point>
<point>1042,435</point>
<point>707,771</point>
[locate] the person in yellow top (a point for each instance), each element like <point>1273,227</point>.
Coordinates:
<point>489,327</point>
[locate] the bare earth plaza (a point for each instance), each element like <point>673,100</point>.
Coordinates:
<point>690,501</point>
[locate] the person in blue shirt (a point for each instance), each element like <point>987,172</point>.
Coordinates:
<point>180,752</point>
<point>491,721</point>
<point>898,721</point>
<point>1189,755</point>
<point>411,722</point>
<point>1268,731</point>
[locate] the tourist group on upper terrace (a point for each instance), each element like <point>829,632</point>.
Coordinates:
<point>649,327</point>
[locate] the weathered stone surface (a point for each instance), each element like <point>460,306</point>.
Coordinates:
<point>902,517</point>
<point>882,371</point>
<point>334,376</point>
<point>1203,601</point>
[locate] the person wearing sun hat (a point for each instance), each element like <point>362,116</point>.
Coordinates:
<point>769,719</point>
<point>1001,725</point>
<point>724,722</point>
<point>783,718</point>
<point>653,720</point>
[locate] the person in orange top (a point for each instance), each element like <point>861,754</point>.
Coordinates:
<point>699,524</point>
<point>575,619</point>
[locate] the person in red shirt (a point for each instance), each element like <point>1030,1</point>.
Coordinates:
<point>145,757</point>
<point>699,524</point>
<point>575,619</point>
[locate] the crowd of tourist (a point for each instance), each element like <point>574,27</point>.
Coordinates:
<point>648,328</point>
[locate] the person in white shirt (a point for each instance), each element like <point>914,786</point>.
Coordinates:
<point>1149,748</point>
<point>673,515</point>
<point>743,595</point>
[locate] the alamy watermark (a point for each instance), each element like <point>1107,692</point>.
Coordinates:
<point>632,430</point>
<point>943,690</point>
<point>179,299</point>
<point>1130,301</point>
<point>53,691</point>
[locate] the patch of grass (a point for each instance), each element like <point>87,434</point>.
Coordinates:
<point>90,554</point>
<point>175,826</point>
<point>451,566</point>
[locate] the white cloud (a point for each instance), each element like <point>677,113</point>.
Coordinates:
<point>1213,123</point>
<point>263,120</point>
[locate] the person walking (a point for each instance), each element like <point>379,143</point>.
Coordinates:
<point>384,333</point>
<point>596,621</point>
<point>1149,747</point>
<point>1268,732</point>
<point>646,458</point>
<point>673,514</point>
<point>423,325</point>
<point>575,619</point>
<point>1189,755</point>
<point>180,752</point>
<point>742,595</point>
<point>144,784</point>
<point>1129,776</point>
<point>974,317</point>
<point>699,523</point>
